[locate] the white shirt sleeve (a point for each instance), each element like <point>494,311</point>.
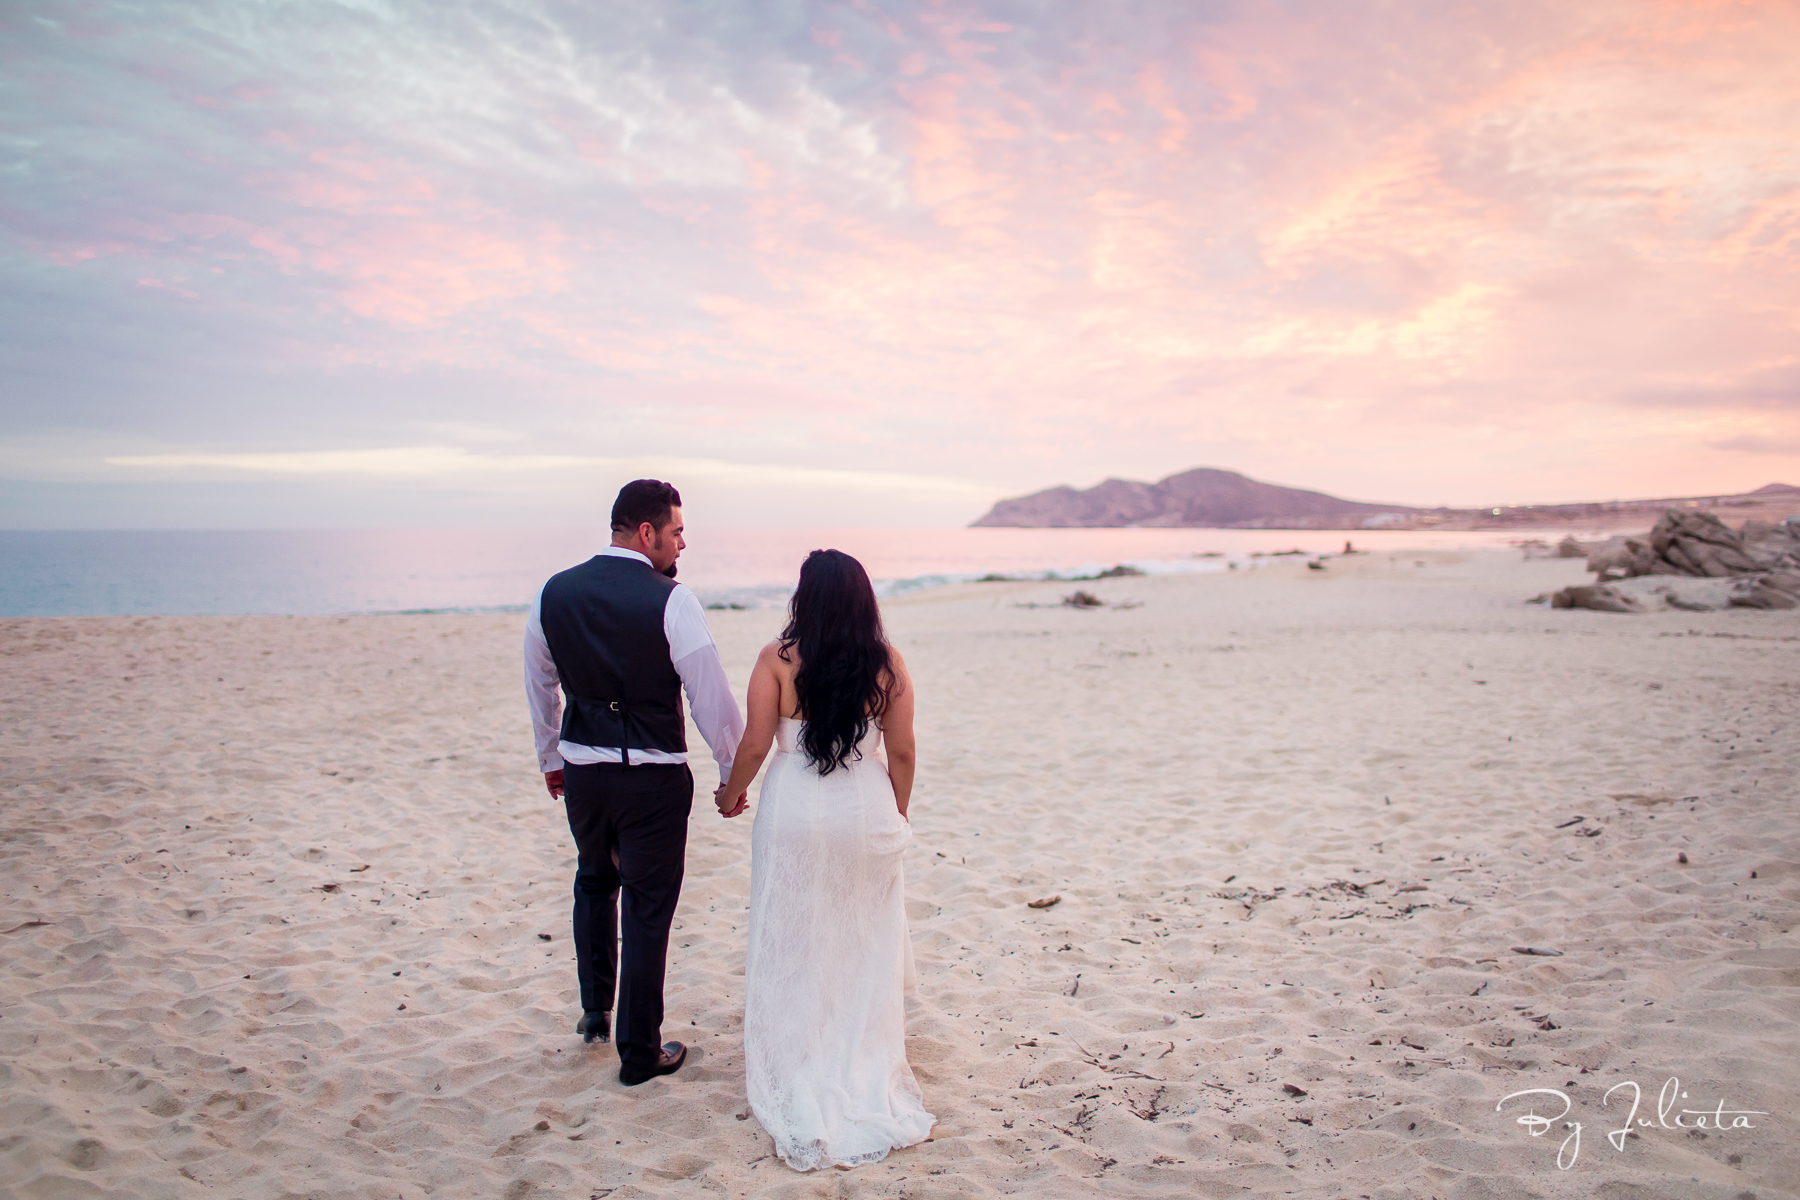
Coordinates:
<point>542,690</point>
<point>696,660</point>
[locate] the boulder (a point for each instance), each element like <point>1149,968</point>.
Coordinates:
<point>1763,596</point>
<point>1628,558</point>
<point>1570,548</point>
<point>1597,597</point>
<point>1710,557</point>
<point>1771,547</point>
<point>1695,526</point>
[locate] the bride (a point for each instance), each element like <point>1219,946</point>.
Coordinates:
<point>829,955</point>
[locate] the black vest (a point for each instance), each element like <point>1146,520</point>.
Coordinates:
<point>603,621</point>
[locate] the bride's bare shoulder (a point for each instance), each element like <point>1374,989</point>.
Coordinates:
<point>896,676</point>
<point>778,658</point>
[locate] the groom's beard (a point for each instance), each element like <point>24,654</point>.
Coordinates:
<point>669,570</point>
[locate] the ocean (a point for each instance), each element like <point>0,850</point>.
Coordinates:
<point>104,573</point>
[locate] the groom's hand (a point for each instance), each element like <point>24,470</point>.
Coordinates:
<point>728,807</point>
<point>553,781</point>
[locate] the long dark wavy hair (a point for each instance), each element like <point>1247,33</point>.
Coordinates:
<point>845,667</point>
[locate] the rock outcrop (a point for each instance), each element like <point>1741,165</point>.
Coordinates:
<point>1763,559</point>
<point>1699,544</point>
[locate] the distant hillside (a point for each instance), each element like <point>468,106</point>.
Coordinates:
<point>1217,499</point>
<point>1202,497</point>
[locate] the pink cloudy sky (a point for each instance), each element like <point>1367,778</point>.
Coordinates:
<point>315,264</point>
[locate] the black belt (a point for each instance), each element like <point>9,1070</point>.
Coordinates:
<point>625,709</point>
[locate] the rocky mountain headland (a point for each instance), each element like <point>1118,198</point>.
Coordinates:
<point>1211,498</point>
<point>1204,497</point>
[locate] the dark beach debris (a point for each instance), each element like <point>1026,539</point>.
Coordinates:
<point>1590,831</point>
<point>359,870</point>
<point>1537,950</point>
<point>1293,1091</point>
<point>1045,902</point>
<point>329,887</point>
<point>1571,821</point>
<point>543,937</point>
<point>1076,986</point>
<point>34,923</point>
<point>1082,599</point>
<point>1682,858</point>
<point>1547,1024</point>
<point>1412,887</point>
<point>1093,1060</point>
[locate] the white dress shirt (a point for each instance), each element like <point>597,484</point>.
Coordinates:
<point>695,658</point>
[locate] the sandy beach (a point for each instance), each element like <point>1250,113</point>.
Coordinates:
<point>286,908</point>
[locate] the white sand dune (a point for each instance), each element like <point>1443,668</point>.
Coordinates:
<point>276,895</point>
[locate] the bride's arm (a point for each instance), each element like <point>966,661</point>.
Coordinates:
<point>897,733</point>
<point>764,703</point>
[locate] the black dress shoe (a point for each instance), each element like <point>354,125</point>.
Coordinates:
<point>595,1027</point>
<point>667,1063</point>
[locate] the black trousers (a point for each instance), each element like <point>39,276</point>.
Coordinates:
<point>630,827</point>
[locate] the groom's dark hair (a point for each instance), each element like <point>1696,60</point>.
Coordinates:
<point>644,500</point>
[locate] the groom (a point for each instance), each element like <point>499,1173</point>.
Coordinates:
<point>622,639</point>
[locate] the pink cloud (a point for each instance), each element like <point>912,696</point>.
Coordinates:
<point>1443,245</point>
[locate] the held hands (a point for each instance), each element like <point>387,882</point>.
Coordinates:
<point>729,806</point>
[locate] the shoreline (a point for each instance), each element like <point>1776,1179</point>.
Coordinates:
<point>469,572</point>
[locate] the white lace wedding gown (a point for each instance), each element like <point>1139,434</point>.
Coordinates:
<point>829,959</point>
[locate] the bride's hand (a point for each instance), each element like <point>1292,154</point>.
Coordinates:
<point>728,807</point>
